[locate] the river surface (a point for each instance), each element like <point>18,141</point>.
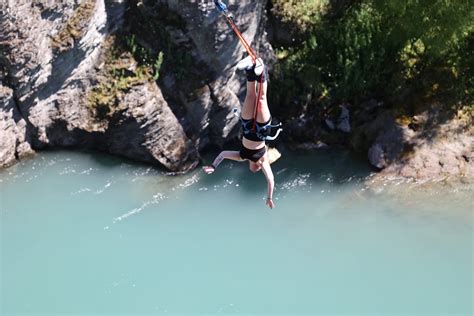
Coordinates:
<point>90,234</point>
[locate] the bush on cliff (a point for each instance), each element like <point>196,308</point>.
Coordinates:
<point>384,49</point>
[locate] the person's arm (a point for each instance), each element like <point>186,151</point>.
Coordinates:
<point>226,154</point>
<point>267,171</point>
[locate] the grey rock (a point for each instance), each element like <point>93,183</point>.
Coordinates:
<point>381,137</point>
<point>330,124</point>
<point>13,131</point>
<point>50,76</point>
<point>53,71</point>
<point>376,156</point>
<point>432,153</point>
<point>223,123</point>
<point>149,130</point>
<point>343,122</point>
<point>199,111</point>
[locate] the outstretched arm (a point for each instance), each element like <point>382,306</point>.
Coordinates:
<point>226,154</point>
<point>267,171</point>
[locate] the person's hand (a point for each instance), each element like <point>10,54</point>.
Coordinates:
<point>270,203</point>
<point>208,169</point>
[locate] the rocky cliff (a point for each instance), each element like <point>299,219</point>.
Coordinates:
<point>69,78</point>
<point>155,81</point>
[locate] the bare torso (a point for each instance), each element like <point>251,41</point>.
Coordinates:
<point>250,144</point>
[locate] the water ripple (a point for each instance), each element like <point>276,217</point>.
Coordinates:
<point>300,181</point>
<point>100,191</point>
<point>82,190</point>
<point>157,198</point>
<point>194,179</point>
<point>187,183</point>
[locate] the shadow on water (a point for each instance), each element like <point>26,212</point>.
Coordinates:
<point>332,166</point>
<point>108,160</point>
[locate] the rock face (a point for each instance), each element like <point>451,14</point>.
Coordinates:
<point>49,50</point>
<point>72,75</point>
<point>438,153</point>
<point>13,130</point>
<point>425,149</point>
<point>211,88</point>
<point>157,134</point>
<point>52,53</point>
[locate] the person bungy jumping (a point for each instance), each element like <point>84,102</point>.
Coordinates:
<point>256,124</point>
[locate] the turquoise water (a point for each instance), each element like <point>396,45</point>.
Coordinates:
<point>91,234</point>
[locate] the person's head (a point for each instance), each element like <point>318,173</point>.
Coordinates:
<point>256,166</point>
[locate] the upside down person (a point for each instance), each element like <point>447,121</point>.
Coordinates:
<point>256,120</point>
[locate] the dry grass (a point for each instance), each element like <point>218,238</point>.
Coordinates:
<point>75,28</point>
<point>119,74</point>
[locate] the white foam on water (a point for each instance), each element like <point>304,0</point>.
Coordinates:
<point>157,198</point>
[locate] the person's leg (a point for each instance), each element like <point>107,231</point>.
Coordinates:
<point>249,103</point>
<point>263,113</point>
<point>253,81</point>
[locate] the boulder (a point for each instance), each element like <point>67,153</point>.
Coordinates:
<point>339,120</point>
<point>376,156</point>
<point>343,122</point>
<point>429,151</point>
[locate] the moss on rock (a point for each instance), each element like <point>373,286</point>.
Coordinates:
<point>119,73</point>
<point>75,27</point>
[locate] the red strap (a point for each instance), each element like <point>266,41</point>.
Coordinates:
<point>242,39</point>
<point>257,102</point>
<point>254,59</point>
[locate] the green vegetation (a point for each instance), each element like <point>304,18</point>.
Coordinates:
<point>390,50</point>
<point>75,27</point>
<point>127,64</point>
<point>135,56</point>
<point>303,13</point>
<point>145,56</point>
<point>150,27</point>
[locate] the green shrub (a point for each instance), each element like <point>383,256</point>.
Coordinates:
<point>126,65</point>
<point>388,49</point>
<point>304,13</point>
<point>144,56</point>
